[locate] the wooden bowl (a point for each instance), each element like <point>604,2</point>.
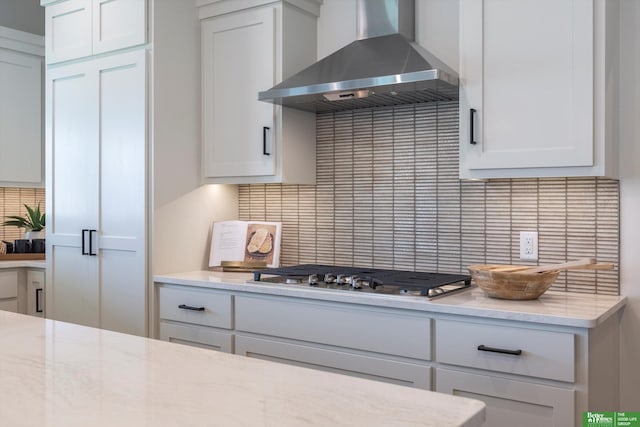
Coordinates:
<point>504,281</point>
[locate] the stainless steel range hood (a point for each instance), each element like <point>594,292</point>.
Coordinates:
<point>383,67</point>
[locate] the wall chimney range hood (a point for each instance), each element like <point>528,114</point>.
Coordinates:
<point>383,67</point>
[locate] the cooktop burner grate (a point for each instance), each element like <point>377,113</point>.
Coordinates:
<point>367,279</point>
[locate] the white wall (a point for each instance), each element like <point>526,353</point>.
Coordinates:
<point>183,210</point>
<point>629,117</point>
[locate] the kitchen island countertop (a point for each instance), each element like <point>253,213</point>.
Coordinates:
<point>553,307</point>
<point>59,374</point>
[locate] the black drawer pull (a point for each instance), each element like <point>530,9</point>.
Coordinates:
<point>499,350</point>
<point>188,307</point>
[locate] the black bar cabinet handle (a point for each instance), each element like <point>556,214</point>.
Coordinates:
<point>188,307</point>
<point>499,350</point>
<point>91,251</point>
<point>84,249</point>
<point>38,293</point>
<point>265,129</point>
<point>472,138</point>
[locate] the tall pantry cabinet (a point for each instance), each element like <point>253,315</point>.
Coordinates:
<point>96,154</point>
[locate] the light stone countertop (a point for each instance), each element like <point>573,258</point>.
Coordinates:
<point>555,308</point>
<point>58,374</point>
<point>23,263</point>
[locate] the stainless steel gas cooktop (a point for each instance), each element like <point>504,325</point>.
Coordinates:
<point>369,280</point>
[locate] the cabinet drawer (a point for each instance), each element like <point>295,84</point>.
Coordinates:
<point>544,354</point>
<point>357,365</point>
<point>8,284</point>
<point>195,306</point>
<point>197,336</point>
<point>338,325</point>
<point>510,402</point>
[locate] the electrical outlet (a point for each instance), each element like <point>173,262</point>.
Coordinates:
<point>529,245</point>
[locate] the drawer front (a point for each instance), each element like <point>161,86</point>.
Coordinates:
<point>544,354</point>
<point>197,336</point>
<point>357,365</point>
<point>195,306</point>
<point>510,402</point>
<point>8,284</point>
<point>342,325</point>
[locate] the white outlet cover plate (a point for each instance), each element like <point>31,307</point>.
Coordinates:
<point>529,245</point>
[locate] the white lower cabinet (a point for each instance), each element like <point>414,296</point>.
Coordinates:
<point>22,291</point>
<point>527,373</point>
<point>335,360</point>
<point>511,402</point>
<point>197,336</point>
<point>9,290</point>
<point>35,293</point>
<point>196,317</point>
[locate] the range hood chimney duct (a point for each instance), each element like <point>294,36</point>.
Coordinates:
<point>382,67</point>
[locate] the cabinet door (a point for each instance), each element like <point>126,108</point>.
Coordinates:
<point>96,140</point>
<point>527,69</point>
<point>72,293</point>
<point>20,119</point>
<point>35,293</point>
<point>509,402</point>
<point>68,30</point>
<point>118,24</point>
<point>357,365</point>
<point>121,236</point>
<point>238,60</point>
<point>9,291</point>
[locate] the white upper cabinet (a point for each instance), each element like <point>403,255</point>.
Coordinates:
<point>533,99</point>
<point>245,51</point>
<point>80,28</point>
<point>21,147</point>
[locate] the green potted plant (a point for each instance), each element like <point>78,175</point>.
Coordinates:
<point>33,222</point>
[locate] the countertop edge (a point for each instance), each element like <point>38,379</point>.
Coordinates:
<point>445,305</point>
<point>23,264</point>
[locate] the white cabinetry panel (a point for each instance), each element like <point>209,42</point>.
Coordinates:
<point>531,101</point>
<point>68,30</point>
<point>509,402</point>
<point>337,325</point>
<point>544,354</point>
<point>81,28</point>
<point>197,336</point>
<point>248,48</point>
<point>331,360</point>
<point>21,147</point>
<point>96,123</point>
<point>118,23</point>
<point>238,62</point>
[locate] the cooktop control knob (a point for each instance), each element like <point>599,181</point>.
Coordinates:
<point>342,279</point>
<point>356,282</point>
<point>313,280</point>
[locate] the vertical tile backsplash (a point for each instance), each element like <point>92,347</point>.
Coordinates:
<point>388,196</point>
<point>12,201</point>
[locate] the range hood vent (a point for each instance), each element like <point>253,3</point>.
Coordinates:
<point>383,67</point>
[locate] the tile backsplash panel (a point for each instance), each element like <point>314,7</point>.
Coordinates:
<point>388,196</point>
<point>12,201</point>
